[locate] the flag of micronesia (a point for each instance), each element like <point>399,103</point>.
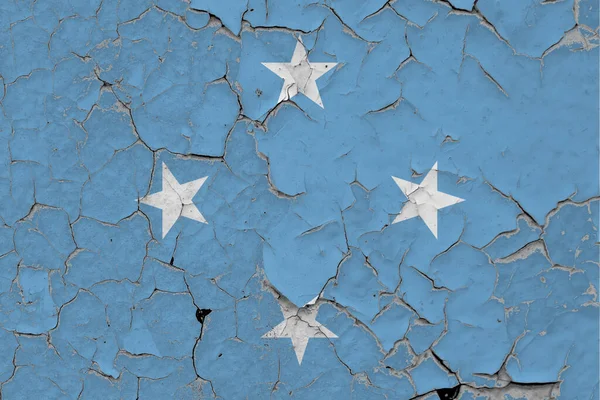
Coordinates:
<point>301,199</point>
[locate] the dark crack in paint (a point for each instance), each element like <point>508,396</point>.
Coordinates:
<point>449,393</point>
<point>201,313</point>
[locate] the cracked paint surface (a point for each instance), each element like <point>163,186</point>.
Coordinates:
<point>179,221</point>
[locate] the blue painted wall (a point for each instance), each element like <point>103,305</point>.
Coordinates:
<point>299,200</point>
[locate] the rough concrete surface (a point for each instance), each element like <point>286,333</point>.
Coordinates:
<point>305,199</point>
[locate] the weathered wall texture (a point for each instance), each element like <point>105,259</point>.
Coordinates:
<point>307,199</point>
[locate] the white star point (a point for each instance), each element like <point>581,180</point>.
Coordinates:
<point>300,75</point>
<point>299,325</point>
<point>175,200</point>
<point>424,200</point>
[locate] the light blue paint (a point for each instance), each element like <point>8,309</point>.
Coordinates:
<point>196,19</point>
<point>531,26</point>
<point>430,375</point>
<point>463,4</point>
<point>302,15</point>
<point>299,199</point>
<point>107,252</point>
<point>401,358</point>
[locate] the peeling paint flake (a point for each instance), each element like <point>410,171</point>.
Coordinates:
<point>302,199</point>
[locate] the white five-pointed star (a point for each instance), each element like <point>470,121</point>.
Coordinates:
<point>424,200</point>
<point>300,75</point>
<point>300,324</point>
<point>175,200</point>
